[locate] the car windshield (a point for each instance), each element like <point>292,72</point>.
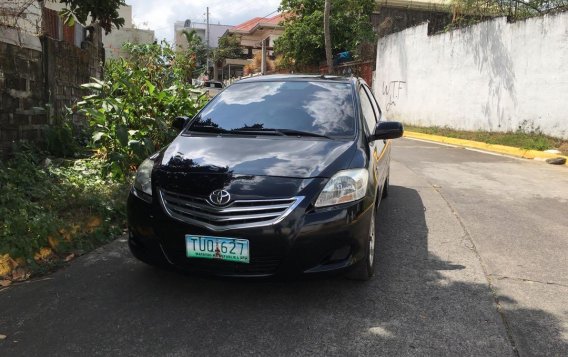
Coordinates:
<point>265,108</point>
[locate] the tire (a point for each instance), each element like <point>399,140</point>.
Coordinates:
<point>365,269</point>
<point>386,187</point>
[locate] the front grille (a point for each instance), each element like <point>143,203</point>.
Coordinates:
<point>238,214</point>
<point>266,265</point>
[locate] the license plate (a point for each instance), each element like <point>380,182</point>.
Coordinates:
<point>231,249</point>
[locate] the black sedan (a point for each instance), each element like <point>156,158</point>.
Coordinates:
<point>276,175</point>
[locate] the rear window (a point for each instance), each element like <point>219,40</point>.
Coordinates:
<point>324,108</point>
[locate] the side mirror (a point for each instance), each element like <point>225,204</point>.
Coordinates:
<point>179,123</point>
<point>387,130</point>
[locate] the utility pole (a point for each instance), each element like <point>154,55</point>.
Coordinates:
<point>327,35</point>
<point>207,39</point>
<point>263,62</point>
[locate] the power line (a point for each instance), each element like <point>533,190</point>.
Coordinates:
<point>265,16</point>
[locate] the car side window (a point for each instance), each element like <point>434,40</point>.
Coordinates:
<point>374,102</point>
<point>367,111</point>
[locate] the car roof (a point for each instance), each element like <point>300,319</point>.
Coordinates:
<point>296,77</point>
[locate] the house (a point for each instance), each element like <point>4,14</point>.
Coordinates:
<point>254,35</point>
<point>254,31</point>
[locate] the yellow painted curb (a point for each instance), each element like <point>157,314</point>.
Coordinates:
<point>500,149</point>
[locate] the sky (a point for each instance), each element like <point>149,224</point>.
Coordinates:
<point>160,15</point>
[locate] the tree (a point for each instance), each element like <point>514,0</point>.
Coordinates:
<point>196,48</point>
<point>102,12</point>
<point>191,37</point>
<point>303,43</point>
<point>229,47</point>
<point>327,35</point>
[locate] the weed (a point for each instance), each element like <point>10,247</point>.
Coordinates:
<point>524,139</point>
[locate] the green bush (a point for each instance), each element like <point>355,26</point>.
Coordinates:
<point>131,109</point>
<point>40,198</point>
<point>60,141</point>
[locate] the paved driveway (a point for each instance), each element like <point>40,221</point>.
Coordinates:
<point>472,261</point>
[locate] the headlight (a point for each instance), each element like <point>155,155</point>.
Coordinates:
<point>143,180</point>
<point>344,186</point>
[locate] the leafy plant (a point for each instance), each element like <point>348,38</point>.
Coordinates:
<point>131,109</point>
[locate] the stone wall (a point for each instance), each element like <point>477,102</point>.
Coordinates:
<point>39,77</point>
<point>21,94</point>
<point>67,67</point>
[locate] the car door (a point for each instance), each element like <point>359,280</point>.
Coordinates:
<point>370,121</point>
<point>379,148</point>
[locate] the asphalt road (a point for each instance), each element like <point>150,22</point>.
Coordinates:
<point>472,261</point>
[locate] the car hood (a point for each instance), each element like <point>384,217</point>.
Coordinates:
<point>257,156</point>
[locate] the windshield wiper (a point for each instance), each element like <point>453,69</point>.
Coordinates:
<point>258,131</point>
<point>293,132</point>
<point>281,132</point>
<point>207,129</point>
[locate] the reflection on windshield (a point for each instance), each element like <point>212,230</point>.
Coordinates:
<point>324,108</point>
<point>247,94</point>
<point>329,105</point>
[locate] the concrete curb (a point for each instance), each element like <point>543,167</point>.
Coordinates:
<point>500,149</point>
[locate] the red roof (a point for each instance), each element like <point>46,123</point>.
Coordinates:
<point>250,25</point>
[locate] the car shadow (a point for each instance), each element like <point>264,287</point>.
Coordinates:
<point>409,308</point>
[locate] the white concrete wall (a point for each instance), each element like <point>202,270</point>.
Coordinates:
<point>113,41</point>
<point>216,31</point>
<point>128,33</point>
<point>492,76</point>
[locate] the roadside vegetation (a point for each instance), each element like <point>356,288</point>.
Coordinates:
<point>533,140</point>
<point>52,210</point>
<point>68,196</point>
<point>469,12</point>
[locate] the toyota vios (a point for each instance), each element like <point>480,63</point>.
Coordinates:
<point>276,175</point>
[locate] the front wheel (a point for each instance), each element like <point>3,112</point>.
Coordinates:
<point>365,269</point>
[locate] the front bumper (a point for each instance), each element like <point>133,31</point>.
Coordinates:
<point>307,241</point>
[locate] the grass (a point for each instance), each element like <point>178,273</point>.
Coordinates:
<point>51,211</point>
<point>518,139</point>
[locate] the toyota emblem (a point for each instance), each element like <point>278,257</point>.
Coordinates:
<point>219,197</point>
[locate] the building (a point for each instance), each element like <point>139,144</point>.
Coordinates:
<point>215,32</point>
<point>256,30</point>
<point>254,34</point>
<point>128,33</point>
